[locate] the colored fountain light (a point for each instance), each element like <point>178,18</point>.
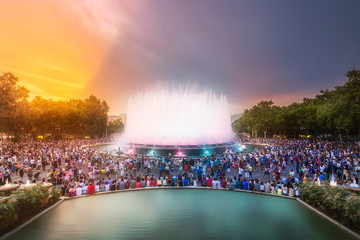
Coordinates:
<point>178,117</point>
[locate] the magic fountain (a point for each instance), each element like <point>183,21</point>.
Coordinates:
<point>179,121</point>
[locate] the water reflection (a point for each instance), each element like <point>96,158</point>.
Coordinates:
<point>180,214</point>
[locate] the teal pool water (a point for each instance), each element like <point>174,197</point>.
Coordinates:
<point>180,214</point>
<point>252,147</point>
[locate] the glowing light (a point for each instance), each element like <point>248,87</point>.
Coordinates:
<point>130,151</point>
<point>243,147</point>
<point>179,154</point>
<point>152,153</point>
<point>178,117</point>
<point>206,153</point>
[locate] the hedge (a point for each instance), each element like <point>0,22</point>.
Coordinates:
<point>24,203</point>
<point>339,203</point>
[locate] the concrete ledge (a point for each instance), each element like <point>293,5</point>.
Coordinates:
<point>30,220</point>
<point>354,234</point>
<point>177,187</point>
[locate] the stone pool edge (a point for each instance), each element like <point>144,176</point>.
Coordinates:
<point>177,187</point>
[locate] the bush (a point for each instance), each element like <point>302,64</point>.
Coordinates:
<point>25,203</point>
<point>339,203</point>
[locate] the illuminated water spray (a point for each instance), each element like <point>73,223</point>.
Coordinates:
<point>181,116</point>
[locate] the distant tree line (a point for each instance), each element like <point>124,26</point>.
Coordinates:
<point>332,113</point>
<point>21,118</point>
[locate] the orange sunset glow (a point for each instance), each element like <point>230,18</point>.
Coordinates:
<point>53,55</point>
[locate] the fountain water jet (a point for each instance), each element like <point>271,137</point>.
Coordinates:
<point>8,186</point>
<point>332,181</point>
<point>178,117</point>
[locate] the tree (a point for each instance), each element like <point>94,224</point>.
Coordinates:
<point>95,116</point>
<point>116,126</point>
<point>332,112</point>
<point>12,97</point>
<point>55,119</point>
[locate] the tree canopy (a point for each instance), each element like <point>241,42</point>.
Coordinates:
<point>331,113</point>
<point>46,117</point>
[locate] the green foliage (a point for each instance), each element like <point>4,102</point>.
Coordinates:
<point>116,126</point>
<point>335,112</point>
<point>57,119</point>
<point>12,103</point>
<point>24,203</point>
<point>339,203</point>
<point>261,119</point>
<point>73,117</point>
<point>33,197</point>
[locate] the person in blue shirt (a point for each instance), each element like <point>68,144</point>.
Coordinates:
<point>199,173</point>
<point>186,182</point>
<point>161,168</point>
<point>245,185</point>
<point>231,185</point>
<point>219,173</point>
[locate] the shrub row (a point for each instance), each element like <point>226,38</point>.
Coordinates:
<point>339,203</point>
<point>24,203</point>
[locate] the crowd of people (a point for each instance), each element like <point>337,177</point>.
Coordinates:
<point>273,187</point>
<point>278,167</point>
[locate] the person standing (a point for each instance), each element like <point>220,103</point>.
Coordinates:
<point>21,173</point>
<point>199,174</point>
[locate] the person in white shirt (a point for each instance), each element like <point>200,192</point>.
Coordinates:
<point>79,190</point>
<point>215,183</point>
<point>285,190</point>
<point>241,171</point>
<point>296,189</point>
<point>107,186</point>
<point>84,189</point>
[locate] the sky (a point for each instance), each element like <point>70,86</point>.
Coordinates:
<point>248,50</point>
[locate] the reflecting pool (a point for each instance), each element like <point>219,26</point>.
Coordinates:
<point>180,214</point>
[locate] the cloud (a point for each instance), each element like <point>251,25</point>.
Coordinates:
<point>106,18</point>
<point>247,50</point>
